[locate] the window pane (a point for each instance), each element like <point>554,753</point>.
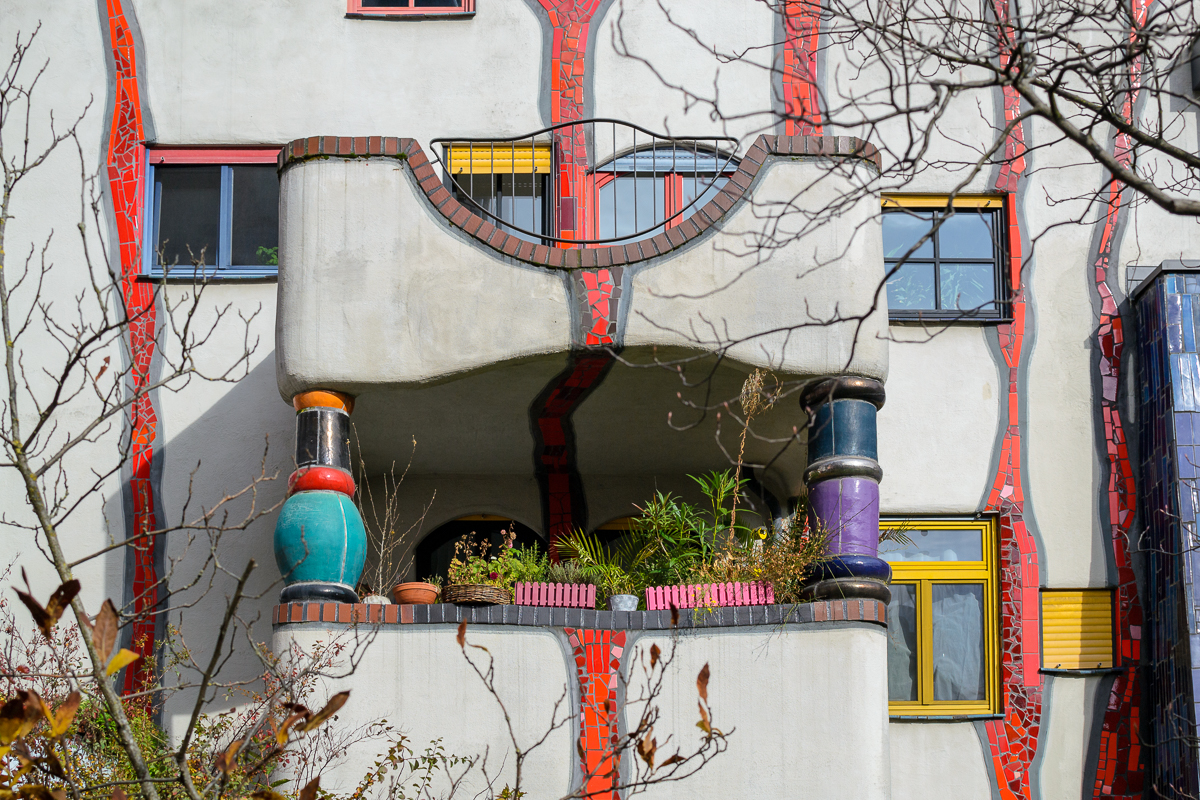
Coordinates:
<point>704,184</point>
<point>255,216</point>
<point>902,229</point>
<point>520,199</point>
<point>934,545</point>
<point>627,205</point>
<point>902,642</point>
<point>958,651</point>
<point>911,287</point>
<point>967,234</point>
<point>969,287</point>
<point>189,214</point>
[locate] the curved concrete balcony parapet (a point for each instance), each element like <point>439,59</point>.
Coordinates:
<point>386,280</point>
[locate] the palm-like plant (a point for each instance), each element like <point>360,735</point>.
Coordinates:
<point>614,568</point>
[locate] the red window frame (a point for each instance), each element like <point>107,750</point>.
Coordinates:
<point>355,8</point>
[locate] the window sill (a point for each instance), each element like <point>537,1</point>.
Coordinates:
<point>224,276</point>
<point>1082,673</point>
<point>393,16</point>
<point>941,717</point>
<point>945,319</point>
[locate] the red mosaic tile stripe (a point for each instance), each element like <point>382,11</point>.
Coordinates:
<point>125,164</point>
<point>802,31</point>
<point>570,21</point>
<point>597,660</point>
<point>554,439</point>
<point>1120,768</point>
<point>1013,739</point>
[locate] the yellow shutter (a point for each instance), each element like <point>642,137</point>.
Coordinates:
<point>501,157</point>
<point>1077,629</point>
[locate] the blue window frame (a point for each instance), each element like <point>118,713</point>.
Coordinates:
<point>211,213</point>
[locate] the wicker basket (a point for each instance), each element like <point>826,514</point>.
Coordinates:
<point>477,593</point>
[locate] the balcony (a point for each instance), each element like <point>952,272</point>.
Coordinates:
<point>449,322</point>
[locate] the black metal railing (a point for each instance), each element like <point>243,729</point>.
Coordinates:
<point>593,181</point>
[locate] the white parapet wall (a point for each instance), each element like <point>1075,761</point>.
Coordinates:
<point>804,703</point>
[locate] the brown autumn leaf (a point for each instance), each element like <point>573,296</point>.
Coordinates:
<point>654,654</point>
<point>61,720</point>
<point>37,792</point>
<point>579,750</point>
<point>17,717</point>
<point>675,759</point>
<point>267,794</point>
<point>331,708</point>
<point>702,682</point>
<point>46,618</point>
<point>674,616</point>
<point>117,794</point>
<point>704,723</point>
<point>104,631</point>
<point>226,760</point>
<point>462,634</point>
<point>309,792</point>
<point>281,735</point>
<point>646,748</point>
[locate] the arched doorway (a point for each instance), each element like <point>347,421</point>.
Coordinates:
<point>435,551</point>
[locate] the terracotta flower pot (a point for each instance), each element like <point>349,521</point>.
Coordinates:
<point>417,593</point>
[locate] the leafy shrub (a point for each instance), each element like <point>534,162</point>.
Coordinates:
<point>472,564</point>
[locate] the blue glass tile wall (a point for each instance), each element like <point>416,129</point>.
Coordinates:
<point>1168,328</point>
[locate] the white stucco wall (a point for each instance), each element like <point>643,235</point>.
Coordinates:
<point>799,700</point>
<point>415,676</point>
<point>647,53</point>
<point>938,761</point>
<point>216,68</point>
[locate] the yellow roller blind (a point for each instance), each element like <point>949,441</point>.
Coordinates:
<point>1077,629</point>
<point>502,157</point>
<point>939,201</point>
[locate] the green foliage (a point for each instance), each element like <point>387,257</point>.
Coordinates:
<point>614,569</point>
<point>510,565</point>
<point>268,256</point>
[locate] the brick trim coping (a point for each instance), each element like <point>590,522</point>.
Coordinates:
<point>853,610</point>
<point>594,257</point>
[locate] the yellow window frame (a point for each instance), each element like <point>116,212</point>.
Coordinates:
<point>924,574</point>
<point>941,201</point>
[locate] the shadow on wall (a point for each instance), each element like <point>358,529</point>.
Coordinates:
<point>218,454</point>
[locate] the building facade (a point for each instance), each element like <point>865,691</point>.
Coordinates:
<point>496,227</point>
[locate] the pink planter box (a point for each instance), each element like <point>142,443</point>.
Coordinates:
<point>755,593</point>
<point>556,595</point>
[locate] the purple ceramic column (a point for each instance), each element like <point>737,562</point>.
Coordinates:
<point>843,477</point>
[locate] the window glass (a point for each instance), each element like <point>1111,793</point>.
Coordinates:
<point>958,645</point>
<point>188,214</point>
<point>255,215</point>
<point>941,544</point>
<point>967,287</point>
<point>902,642</point>
<point>902,229</point>
<point>518,199</point>
<point>704,184</point>
<point>911,287</point>
<point>626,205</point>
<point>966,234</point>
<point>957,271</point>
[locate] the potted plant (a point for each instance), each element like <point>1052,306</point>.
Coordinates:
<point>614,569</point>
<point>418,593</point>
<point>477,577</point>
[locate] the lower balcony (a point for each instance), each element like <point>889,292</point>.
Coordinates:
<point>799,691</point>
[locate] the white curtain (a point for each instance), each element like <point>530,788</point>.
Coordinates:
<point>958,657</point>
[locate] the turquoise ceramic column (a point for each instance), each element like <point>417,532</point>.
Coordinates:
<point>320,541</point>
<point>843,477</point>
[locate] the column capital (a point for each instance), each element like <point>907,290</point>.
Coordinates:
<point>842,387</point>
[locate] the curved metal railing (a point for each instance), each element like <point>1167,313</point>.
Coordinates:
<point>588,182</point>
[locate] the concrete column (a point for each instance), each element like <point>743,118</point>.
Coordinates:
<point>320,541</point>
<point>843,477</point>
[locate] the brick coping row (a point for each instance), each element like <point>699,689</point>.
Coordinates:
<point>850,610</point>
<point>590,257</point>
